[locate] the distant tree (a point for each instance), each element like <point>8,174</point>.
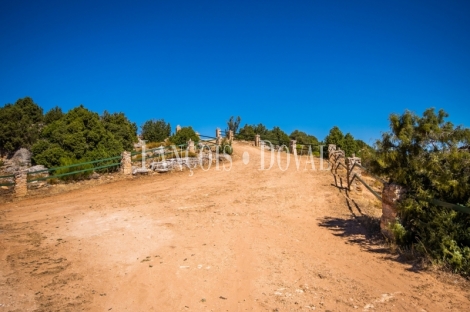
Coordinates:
<point>335,136</point>
<point>123,130</point>
<point>20,125</point>
<point>349,145</point>
<point>280,136</point>
<point>260,129</point>
<point>365,152</point>
<point>183,136</point>
<point>361,144</point>
<point>156,130</point>
<point>303,138</point>
<point>246,133</point>
<point>52,115</point>
<point>233,124</point>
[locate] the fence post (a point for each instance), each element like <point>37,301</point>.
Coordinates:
<point>126,163</point>
<point>257,140</point>
<point>338,157</point>
<point>331,151</point>
<point>191,146</point>
<point>293,147</point>
<point>21,184</point>
<point>217,135</point>
<point>353,170</point>
<point>391,195</point>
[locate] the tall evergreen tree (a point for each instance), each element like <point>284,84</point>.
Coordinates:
<point>20,125</point>
<point>155,130</point>
<point>349,145</point>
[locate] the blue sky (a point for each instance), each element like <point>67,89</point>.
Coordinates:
<point>305,65</point>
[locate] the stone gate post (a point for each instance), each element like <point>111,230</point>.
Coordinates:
<point>191,146</point>
<point>218,136</point>
<point>391,196</point>
<point>21,184</point>
<point>126,163</point>
<point>293,147</point>
<point>257,140</point>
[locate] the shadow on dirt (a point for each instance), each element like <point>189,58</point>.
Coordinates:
<point>365,231</point>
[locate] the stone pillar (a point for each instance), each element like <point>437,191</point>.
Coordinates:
<point>191,146</point>
<point>126,163</point>
<point>178,128</point>
<point>218,136</point>
<point>354,170</point>
<point>391,195</point>
<point>21,184</point>
<point>293,147</point>
<point>230,136</point>
<point>257,140</point>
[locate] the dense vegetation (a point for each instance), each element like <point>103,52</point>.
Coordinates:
<point>348,144</point>
<point>183,136</point>
<point>57,139</point>
<point>20,125</point>
<point>430,158</point>
<point>155,130</point>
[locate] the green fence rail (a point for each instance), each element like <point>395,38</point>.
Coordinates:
<point>91,169</point>
<point>74,172</point>
<point>7,177</point>
<point>75,165</point>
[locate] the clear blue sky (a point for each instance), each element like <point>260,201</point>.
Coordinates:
<point>305,65</point>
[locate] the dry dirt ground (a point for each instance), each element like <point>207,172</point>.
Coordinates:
<point>238,240</point>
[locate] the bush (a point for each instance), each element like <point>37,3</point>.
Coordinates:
<point>183,136</point>
<point>20,125</point>
<point>79,134</point>
<point>67,161</point>
<point>427,155</point>
<point>155,130</point>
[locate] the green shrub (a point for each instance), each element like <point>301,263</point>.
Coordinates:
<point>426,156</point>
<point>66,161</point>
<point>183,136</point>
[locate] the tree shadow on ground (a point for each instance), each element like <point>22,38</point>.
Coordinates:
<point>364,230</point>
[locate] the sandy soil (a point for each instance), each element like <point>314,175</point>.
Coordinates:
<point>238,240</point>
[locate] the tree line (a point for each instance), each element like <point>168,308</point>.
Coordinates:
<point>347,142</point>
<point>56,138</point>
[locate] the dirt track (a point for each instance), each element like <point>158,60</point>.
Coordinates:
<point>233,240</point>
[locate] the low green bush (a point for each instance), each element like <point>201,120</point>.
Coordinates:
<point>66,161</point>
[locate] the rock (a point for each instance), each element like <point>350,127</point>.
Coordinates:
<point>95,175</point>
<point>140,171</point>
<point>4,187</point>
<point>36,168</point>
<point>21,158</point>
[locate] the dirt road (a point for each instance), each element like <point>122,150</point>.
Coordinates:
<point>238,240</point>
